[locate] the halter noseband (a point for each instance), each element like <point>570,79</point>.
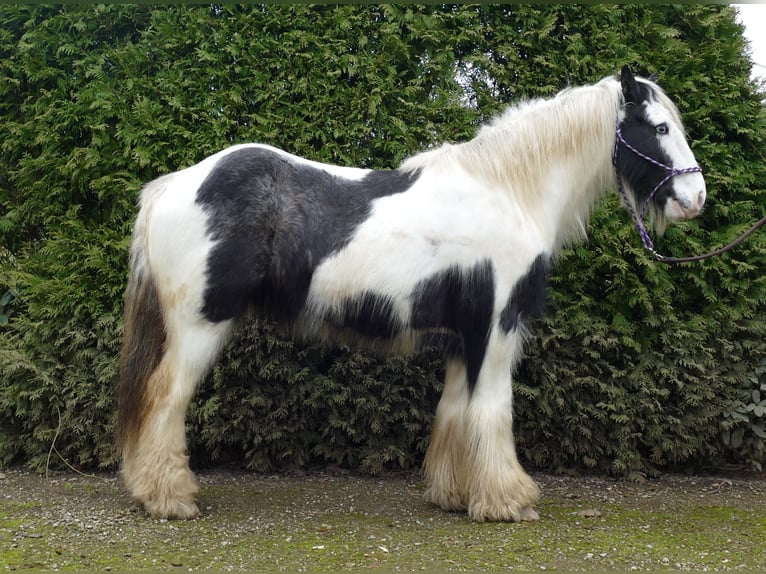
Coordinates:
<point>638,218</point>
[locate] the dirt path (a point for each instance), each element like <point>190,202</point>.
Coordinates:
<point>327,522</point>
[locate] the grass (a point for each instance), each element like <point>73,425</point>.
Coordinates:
<point>321,522</point>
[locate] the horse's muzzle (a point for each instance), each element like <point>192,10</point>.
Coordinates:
<point>686,209</point>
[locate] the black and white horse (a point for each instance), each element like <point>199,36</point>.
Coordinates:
<point>452,247</point>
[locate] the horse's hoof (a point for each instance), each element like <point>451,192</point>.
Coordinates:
<point>172,509</point>
<point>509,512</point>
<point>528,514</point>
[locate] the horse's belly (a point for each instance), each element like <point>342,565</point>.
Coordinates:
<point>412,267</point>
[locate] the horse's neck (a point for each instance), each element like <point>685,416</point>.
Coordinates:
<point>567,191</point>
<point>562,162</point>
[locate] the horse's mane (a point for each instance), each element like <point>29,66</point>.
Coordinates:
<point>513,148</point>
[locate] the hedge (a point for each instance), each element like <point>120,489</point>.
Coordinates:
<point>635,368</point>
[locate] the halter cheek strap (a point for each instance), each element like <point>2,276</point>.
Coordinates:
<point>638,218</point>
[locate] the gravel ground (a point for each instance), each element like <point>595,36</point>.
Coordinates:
<point>339,521</point>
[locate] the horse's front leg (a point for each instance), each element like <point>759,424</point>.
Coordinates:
<point>445,465</point>
<point>498,487</point>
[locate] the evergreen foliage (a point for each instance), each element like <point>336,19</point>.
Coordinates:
<point>635,367</point>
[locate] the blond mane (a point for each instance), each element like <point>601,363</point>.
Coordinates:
<point>513,148</point>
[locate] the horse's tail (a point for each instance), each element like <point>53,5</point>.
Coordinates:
<point>144,331</point>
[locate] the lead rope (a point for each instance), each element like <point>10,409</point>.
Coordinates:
<point>638,218</point>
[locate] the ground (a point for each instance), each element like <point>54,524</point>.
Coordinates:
<point>338,521</point>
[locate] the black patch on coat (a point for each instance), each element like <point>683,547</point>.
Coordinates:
<point>371,315</point>
<point>460,301</point>
<point>274,220</point>
<point>527,296</point>
<point>641,175</point>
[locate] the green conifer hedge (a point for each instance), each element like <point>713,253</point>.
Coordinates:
<point>635,367</point>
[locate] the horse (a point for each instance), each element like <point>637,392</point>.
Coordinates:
<point>451,248</point>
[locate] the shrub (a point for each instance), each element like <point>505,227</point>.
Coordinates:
<point>635,368</point>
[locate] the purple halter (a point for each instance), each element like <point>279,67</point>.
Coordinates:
<point>638,218</point>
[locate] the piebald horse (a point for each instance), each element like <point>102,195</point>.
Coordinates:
<point>452,248</point>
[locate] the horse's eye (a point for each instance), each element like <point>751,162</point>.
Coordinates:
<point>662,129</point>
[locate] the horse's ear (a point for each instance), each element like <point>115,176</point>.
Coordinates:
<point>630,89</point>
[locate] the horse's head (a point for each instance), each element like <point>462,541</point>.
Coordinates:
<point>652,157</point>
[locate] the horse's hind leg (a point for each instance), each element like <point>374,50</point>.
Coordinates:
<point>445,466</point>
<point>155,464</point>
